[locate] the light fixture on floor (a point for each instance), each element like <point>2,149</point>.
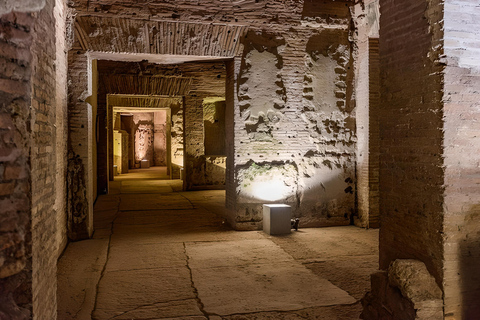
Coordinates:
<point>145,164</point>
<point>277,219</point>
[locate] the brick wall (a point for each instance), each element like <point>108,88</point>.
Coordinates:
<point>33,199</point>
<point>231,115</point>
<point>61,125</point>
<point>411,127</point>
<point>462,160</point>
<point>296,111</point>
<point>295,90</point>
<point>80,144</point>
<point>374,132</point>
<point>43,165</point>
<point>15,173</point>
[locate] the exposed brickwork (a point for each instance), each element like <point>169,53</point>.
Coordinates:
<point>15,174</point>
<point>374,133</point>
<point>366,20</point>
<point>32,199</point>
<point>79,174</point>
<point>61,124</point>
<point>43,162</point>
<point>231,116</point>
<point>205,80</point>
<point>411,127</point>
<point>295,89</point>
<point>407,291</point>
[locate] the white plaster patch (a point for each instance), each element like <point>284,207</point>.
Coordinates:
<point>21,5</point>
<point>260,93</point>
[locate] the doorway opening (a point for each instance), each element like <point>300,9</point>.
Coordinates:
<point>143,140</point>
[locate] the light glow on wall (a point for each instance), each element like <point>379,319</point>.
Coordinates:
<point>271,190</point>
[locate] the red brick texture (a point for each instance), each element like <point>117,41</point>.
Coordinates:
<point>411,131</point>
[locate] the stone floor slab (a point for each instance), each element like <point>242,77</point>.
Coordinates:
<point>264,287</point>
<point>235,253</point>
<point>140,202</point>
<point>238,275</point>
<point>152,186</point>
<point>123,291</point>
<point>256,275</point>
<point>79,270</point>
<point>129,255</point>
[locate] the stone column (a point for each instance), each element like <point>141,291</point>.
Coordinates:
<point>366,20</point>
<point>232,117</point>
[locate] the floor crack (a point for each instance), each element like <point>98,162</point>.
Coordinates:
<point>191,203</point>
<point>200,304</point>
<point>108,256</point>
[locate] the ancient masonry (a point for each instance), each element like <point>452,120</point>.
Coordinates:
<point>352,112</point>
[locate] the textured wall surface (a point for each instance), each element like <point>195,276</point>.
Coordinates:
<point>411,122</point>
<point>366,21</point>
<point>33,202</point>
<point>204,80</point>
<point>295,104</point>
<point>21,5</point>
<point>160,138</point>
<point>144,134</point>
<point>80,145</point>
<point>462,160</point>
<point>411,165</point>
<point>44,222</point>
<point>61,124</point>
<point>15,174</point>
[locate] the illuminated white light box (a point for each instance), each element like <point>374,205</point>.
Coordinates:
<point>145,164</point>
<point>276,219</point>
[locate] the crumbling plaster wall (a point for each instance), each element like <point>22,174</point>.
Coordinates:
<point>21,6</point>
<point>295,126</point>
<point>32,116</point>
<point>282,118</point>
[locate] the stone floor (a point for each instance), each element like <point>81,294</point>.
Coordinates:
<point>159,253</point>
